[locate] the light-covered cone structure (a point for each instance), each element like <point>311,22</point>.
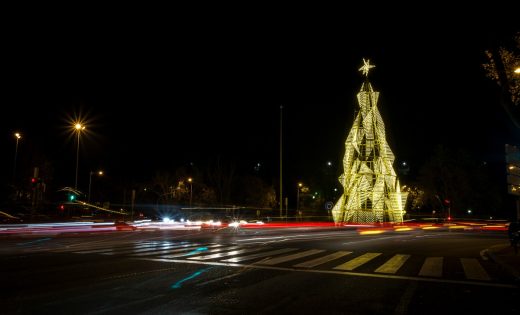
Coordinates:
<point>371,188</point>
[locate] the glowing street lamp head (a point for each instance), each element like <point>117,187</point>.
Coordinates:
<point>300,184</point>
<point>190,180</point>
<point>100,173</point>
<point>78,126</point>
<point>17,135</point>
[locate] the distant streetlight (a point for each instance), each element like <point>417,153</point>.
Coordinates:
<point>17,135</point>
<point>190,180</point>
<point>329,163</point>
<point>298,196</point>
<point>78,129</point>
<point>517,70</point>
<point>100,173</point>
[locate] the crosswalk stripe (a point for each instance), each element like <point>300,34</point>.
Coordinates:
<point>321,260</point>
<point>102,250</point>
<point>358,261</point>
<point>473,269</point>
<point>393,264</point>
<point>265,254</point>
<point>163,247</point>
<point>282,259</point>
<point>176,250</point>
<point>432,267</point>
<point>199,251</point>
<point>232,253</point>
<point>85,249</point>
<point>125,247</point>
<point>132,251</point>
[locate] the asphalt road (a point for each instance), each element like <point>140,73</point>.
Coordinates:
<point>257,271</point>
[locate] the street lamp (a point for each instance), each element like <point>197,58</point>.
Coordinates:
<point>17,135</point>
<point>78,129</point>
<point>90,182</point>
<point>190,180</point>
<point>298,198</point>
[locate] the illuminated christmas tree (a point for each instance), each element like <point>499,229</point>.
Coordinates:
<point>371,188</point>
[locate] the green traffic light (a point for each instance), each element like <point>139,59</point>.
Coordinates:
<point>72,197</point>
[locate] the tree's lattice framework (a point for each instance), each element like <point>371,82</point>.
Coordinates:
<point>371,189</point>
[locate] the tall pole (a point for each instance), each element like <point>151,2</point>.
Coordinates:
<point>77,163</point>
<point>89,185</point>
<point>281,195</point>
<point>17,136</point>
<point>79,127</point>
<point>298,197</point>
<point>190,180</point>
<point>191,193</point>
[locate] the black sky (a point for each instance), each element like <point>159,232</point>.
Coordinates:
<point>157,99</point>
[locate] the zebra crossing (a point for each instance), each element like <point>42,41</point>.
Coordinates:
<point>295,259</point>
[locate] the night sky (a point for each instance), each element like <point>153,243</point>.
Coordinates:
<point>160,100</point>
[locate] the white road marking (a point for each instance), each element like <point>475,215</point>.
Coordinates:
<point>345,273</point>
<point>358,261</point>
<point>393,264</point>
<point>474,270</point>
<point>322,260</point>
<point>432,267</point>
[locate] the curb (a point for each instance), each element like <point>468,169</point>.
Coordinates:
<point>507,267</point>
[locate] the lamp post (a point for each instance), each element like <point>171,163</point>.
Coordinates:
<point>90,182</point>
<point>281,156</point>
<point>17,135</point>
<point>190,180</point>
<point>78,128</point>
<point>298,198</point>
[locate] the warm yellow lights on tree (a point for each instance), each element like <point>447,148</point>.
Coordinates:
<point>371,188</point>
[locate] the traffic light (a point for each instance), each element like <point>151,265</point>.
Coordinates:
<point>34,182</point>
<point>72,197</point>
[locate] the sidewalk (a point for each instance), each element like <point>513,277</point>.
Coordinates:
<point>505,256</point>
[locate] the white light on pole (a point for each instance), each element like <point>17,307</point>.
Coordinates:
<point>90,182</point>
<point>17,135</point>
<point>298,196</point>
<point>78,129</point>
<point>190,180</point>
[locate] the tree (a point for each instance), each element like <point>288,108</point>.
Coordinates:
<point>455,179</point>
<point>221,177</point>
<point>253,191</point>
<point>502,68</point>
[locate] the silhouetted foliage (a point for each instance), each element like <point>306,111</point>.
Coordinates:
<point>455,178</point>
